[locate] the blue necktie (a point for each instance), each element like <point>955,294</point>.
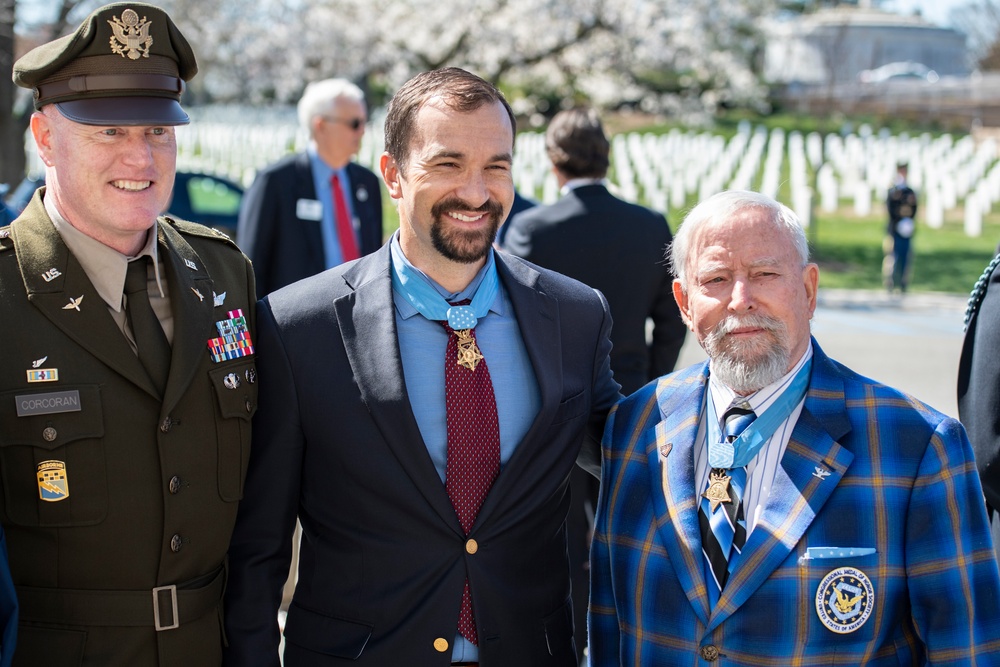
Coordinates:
<point>721,517</point>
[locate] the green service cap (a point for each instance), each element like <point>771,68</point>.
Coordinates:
<point>125,65</point>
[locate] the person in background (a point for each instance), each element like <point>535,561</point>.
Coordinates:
<point>314,210</point>
<point>901,204</point>
<point>770,506</point>
<point>617,248</point>
<point>129,379</point>
<point>422,410</point>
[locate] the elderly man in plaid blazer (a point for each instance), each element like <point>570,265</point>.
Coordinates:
<point>844,526</point>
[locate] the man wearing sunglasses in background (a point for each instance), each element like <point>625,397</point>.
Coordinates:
<point>314,210</point>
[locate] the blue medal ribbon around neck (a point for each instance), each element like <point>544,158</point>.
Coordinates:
<point>725,455</point>
<point>429,302</point>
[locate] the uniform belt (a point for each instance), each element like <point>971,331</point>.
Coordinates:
<point>163,607</point>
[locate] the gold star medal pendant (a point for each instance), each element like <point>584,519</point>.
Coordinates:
<point>718,489</point>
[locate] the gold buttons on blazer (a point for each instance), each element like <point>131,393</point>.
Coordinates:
<point>440,644</point>
<point>709,652</point>
<point>471,547</point>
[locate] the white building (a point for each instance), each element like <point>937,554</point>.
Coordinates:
<point>835,44</point>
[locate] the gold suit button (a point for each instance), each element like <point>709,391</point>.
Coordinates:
<point>471,547</point>
<point>440,644</point>
<point>709,653</point>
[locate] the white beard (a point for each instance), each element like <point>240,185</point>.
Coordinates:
<point>745,366</point>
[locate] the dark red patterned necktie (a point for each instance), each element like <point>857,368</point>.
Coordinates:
<point>473,444</point>
<point>342,220</point>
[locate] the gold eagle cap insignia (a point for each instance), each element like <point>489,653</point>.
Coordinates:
<point>131,35</point>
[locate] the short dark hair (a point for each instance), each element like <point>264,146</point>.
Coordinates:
<point>459,89</point>
<point>576,144</point>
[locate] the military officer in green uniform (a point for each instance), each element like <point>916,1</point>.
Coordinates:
<point>127,379</point>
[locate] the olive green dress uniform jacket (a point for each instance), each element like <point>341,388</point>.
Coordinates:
<point>152,482</point>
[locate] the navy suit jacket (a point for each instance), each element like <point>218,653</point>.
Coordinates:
<point>8,607</point>
<point>618,248</point>
<point>383,558</point>
<point>285,248</point>
<point>867,467</point>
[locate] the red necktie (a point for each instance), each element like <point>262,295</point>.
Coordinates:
<point>473,443</point>
<point>342,219</point>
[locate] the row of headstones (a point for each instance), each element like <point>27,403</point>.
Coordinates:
<point>672,170</point>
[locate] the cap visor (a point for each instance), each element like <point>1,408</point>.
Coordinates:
<point>124,111</point>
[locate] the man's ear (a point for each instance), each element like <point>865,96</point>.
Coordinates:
<point>392,175</point>
<point>41,130</point>
<point>681,297</point>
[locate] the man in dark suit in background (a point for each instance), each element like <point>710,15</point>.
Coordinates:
<point>378,378</point>
<point>979,388</point>
<point>314,210</point>
<point>610,244</point>
<point>615,247</point>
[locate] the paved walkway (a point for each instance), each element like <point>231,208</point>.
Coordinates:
<point>911,342</point>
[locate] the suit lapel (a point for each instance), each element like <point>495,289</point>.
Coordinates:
<point>811,468</point>
<point>192,302</point>
<point>671,470</point>
<point>538,319</point>
<point>367,322</point>
<point>59,287</point>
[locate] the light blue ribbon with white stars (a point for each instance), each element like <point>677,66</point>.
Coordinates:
<point>429,302</point>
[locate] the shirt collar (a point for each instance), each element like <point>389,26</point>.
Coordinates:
<point>321,168</point>
<point>402,267</point>
<point>105,266</point>
<point>574,183</point>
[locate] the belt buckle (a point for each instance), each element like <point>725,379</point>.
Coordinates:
<point>156,607</point>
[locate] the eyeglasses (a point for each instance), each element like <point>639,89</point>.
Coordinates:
<point>354,123</point>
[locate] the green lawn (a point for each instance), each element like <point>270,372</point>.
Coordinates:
<point>849,253</point>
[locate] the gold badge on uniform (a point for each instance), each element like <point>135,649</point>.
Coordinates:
<point>53,485</point>
<point>131,36</point>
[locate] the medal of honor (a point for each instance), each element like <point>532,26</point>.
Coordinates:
<point>468,352</point>
<point>718,489</point>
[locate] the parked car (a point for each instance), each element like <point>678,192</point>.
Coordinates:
<point>205,198</point>
<point>208,199</point>
<point>903,70</point>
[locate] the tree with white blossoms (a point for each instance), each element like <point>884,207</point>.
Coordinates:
<point>673,55</point>
<point>684,57</point>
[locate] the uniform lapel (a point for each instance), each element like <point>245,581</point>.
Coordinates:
<point>672,484</point>
<point>192,303</point>
<point>59,287</point>
<point>810,470</point>
<point>367,323</point>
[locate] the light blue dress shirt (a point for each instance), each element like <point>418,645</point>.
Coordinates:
<point>322,173</point>
<point>422,345</point>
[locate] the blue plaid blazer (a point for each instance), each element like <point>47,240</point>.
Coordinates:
<point>867,469</point>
